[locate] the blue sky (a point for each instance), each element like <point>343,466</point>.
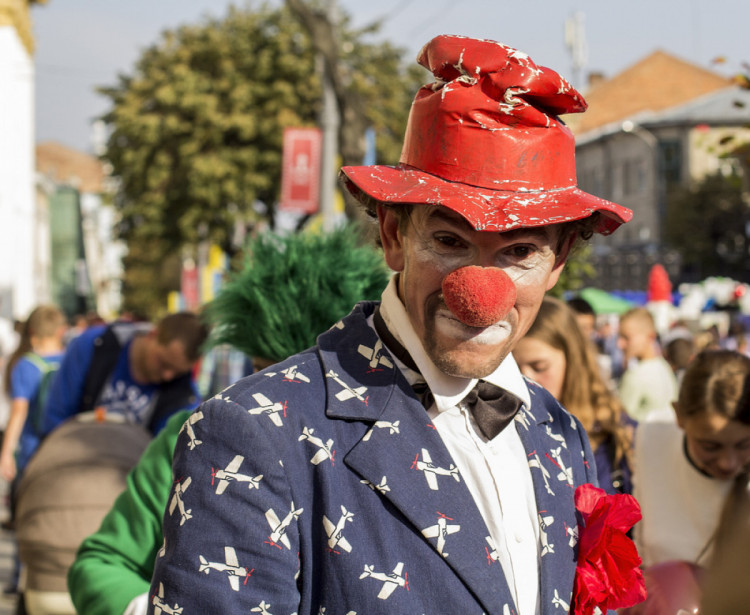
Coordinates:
<point>82,44</point>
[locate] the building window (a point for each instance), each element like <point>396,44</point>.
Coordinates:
<point>671,161</point>
<point>634,176</point>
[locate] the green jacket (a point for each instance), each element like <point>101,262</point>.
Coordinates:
<point>115,564</point>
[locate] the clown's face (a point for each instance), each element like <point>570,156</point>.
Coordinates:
<point>436,241</point>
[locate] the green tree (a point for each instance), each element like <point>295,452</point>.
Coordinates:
<point>578,271</point>
<point>707,224</point>
<point>196,129</point>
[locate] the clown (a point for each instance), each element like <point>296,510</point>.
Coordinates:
<point>476,221</point>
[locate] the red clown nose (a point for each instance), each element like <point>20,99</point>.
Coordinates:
<point>479,296</point>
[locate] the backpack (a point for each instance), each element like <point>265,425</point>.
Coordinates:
<point>37,404</point>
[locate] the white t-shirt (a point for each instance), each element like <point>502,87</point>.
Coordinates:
<point>681,506</point>
<point>496,471</point>
<point>648,387</point>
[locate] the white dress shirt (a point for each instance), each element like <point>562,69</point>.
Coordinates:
<point>495,471</point>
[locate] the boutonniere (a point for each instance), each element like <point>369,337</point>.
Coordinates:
<point>607,574</point>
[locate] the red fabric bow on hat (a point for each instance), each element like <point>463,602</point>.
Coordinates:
<point>608,574</point>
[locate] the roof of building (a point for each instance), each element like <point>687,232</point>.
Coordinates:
<point>726,106</point>
<point>657,82</point>
<point>65,165</point>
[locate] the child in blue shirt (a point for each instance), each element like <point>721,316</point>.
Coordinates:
<point>39,350</point>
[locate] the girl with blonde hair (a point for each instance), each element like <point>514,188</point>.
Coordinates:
<point>555,353</point>
<point>39,350</point>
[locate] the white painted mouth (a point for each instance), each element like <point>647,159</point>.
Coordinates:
<point>450,326</point>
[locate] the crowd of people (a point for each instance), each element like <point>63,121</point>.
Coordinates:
<point>436,449</point>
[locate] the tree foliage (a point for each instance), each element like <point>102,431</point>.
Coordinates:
<point>197,128</point>
<point>707,224</point>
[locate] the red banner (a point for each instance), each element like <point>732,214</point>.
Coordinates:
<point>189,286</point>
<point>300,173</point>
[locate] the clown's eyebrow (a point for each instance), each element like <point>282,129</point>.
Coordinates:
<point>443,214</point>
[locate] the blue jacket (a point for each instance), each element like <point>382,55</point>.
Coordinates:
<point>312,486</point>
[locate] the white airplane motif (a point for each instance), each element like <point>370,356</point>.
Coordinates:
<point>557,601</point>
<point>177,502</point>
<point>336,532</point>
<point>230,474</point>
<point>266,406</point>
<point>556,436</point>
<point>163,550</point>
<point>566,474</point>
<point>291,374</point>
<point>390,580</point>
<point>544,523</point>
<point>523,418</point>
<point>188,427</point>
<point>279,528</point>
<point>162,607</point>
<point>374,355</point>
<point>572,532</point>
<point>347,392</point>
<point>382,487</point>
<point>231,567</point>
<point>492,555</point>
<point>537,463</point>
<point>324,448</point>
<point>392,428</point>
<point>262,608</point>
<point>441,530</point>
<point>431,471</point>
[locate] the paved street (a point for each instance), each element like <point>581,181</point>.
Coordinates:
<point>7,604</point>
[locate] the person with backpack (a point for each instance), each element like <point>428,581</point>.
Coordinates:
<point>134,369</point>
<point>27,379</point>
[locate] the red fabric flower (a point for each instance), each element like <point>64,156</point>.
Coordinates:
<point>608,574</point>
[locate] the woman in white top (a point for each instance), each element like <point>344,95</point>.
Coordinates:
<point>685,471</point>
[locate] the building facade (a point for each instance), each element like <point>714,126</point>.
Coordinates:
<point>24,252</point>
<point>661,124</point>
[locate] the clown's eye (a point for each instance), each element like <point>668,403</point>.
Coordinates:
<point>449,241</point>
<point>521,251</point>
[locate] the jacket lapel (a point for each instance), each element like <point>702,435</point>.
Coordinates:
<point>551,464</point>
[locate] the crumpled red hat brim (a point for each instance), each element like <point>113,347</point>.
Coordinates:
<point>484,209</point>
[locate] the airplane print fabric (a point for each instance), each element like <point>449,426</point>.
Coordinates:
<point>321,486</point>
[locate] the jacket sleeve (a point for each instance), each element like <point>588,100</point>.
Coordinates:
<point>241,546</point>
<point>115,564</point>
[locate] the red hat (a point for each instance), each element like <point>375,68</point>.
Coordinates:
<point>485,141</point>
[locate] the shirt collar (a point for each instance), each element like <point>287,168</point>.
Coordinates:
<point>447,390</point>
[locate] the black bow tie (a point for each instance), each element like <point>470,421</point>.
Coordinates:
<point>493,408</point>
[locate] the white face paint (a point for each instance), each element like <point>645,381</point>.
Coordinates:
<point>437,241</point>
<point>447,324</point>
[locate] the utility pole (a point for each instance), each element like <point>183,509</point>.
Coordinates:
<point>575,41</point>
<point>329,122</point>
<point>322,28</point>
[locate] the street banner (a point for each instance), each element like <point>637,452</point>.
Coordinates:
<point>300,172</point>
